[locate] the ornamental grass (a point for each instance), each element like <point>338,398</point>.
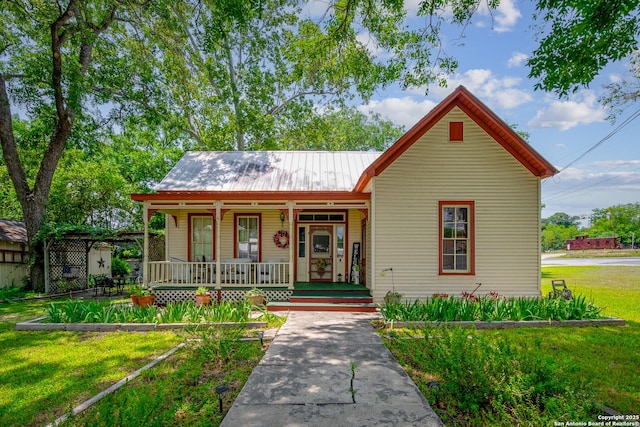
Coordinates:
<point>89,311</point>
<point>490,308</point>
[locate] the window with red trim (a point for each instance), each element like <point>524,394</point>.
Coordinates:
<point>456,238</point>
<point>248,237</point>
<point>201,242</point>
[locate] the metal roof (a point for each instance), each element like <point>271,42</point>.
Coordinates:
<point>267,171</point>
<point>13,231</point>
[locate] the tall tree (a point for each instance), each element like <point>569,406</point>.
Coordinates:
<point>240,75</point>
<point>216,69</point>
<point>562,219</point>
<point>579,38</point>
<point>619,220</point>
<point>44,74</point>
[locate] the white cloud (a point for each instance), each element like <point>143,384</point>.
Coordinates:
<point>402,111</point>
<point>369,41</point>
<point>615,78</point>
<point>412,6</point>
<point>517,59</point>
<point>609,164</point>
<point>504,17</point>
<point>315,9</point>
<point>579,190</point>
<point>507,16</point>
<point>494,91</point>
<point>581,110</point>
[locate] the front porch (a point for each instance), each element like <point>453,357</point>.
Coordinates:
<point>231,273</point>
<point>305,296</point>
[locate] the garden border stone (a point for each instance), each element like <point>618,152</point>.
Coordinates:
<point>511,324</point>
<point>37,325</point>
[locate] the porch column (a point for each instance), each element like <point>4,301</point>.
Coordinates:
<point>372,241</point>
<point>145,246</point>
<point>218,220</point>
<point>291,248</point>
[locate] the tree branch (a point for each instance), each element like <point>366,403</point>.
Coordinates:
<point>276,108</point>
<point>57,38</point>
<point>9,149</point>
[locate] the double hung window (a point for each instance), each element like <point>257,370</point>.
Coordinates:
<point>201,238</point>
<point>456,238</point>
<point>248,237</point>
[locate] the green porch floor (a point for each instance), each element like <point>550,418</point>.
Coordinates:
<point>298,286</point>
<point>328,286</point>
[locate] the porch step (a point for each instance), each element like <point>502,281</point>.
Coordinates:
<point>331,297</point>
<point>319,306</point>
<point>317,299</point>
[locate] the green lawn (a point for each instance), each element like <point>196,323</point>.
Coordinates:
<point>553,374</point>
<point>45,373</point>
<point>617,289</point>
<point>181,393</point>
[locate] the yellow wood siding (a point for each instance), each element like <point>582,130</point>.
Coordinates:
<point>506,197</point>
<point>354,232</point>
<point>177,237</point>
<point>12,274</point>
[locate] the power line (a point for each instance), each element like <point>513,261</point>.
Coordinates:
<point>602,141</point>
<point>582,187</point>
<point>564,193</point>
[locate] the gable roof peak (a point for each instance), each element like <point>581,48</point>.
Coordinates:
<point>482,115</point>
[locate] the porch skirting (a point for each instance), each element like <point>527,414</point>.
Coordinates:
<point>165,294</point>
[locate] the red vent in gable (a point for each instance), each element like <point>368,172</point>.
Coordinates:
<point>456,131</point>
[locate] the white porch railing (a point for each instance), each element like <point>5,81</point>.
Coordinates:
<point>233,273</point>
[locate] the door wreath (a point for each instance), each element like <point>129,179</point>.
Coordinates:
<point>281,239</point>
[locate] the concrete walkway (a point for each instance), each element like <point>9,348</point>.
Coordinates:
<point>305,378</point>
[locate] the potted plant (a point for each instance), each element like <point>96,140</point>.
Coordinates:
<point>142,297</point>
<point>135,292</point>
<point>146,299</point>
<point>321,265</point>
<point>203,296</point>
<point>392,297</point>
<point>256,297</point>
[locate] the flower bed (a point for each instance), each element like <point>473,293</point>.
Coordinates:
<point>86,311</point>
<point>491,308</point>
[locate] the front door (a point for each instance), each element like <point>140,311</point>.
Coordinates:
<point>321,253</point>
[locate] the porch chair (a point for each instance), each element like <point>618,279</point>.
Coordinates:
<point>560,290</point>
<point>270,272</point>
<point>180,270</point>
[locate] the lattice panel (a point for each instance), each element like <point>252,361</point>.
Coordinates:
<point>67,266</point>
<point>164,296</point>
<point>177,295</point>
<point>156,248</point>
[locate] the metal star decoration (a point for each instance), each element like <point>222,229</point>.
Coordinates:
<point>101,263</point>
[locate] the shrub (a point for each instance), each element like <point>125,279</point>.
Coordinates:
<point>119,267</point>
<point>482,380</point>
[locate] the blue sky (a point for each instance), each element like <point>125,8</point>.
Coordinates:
<point>492,65</point>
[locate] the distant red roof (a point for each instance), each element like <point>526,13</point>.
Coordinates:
<point>13,231</point>
<point>479,113</point>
